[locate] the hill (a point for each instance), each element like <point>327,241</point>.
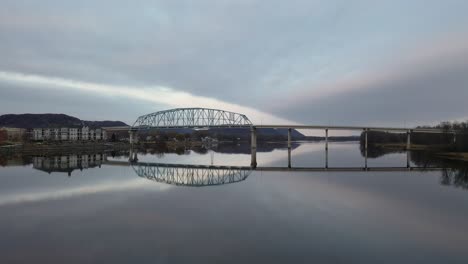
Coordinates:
<point>51,120</point>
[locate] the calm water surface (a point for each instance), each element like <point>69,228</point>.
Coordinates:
<point>109,212</point>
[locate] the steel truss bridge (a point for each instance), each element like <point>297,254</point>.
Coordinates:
<point>208,118</point>
<point>191,175</point>
<point>191,118</point>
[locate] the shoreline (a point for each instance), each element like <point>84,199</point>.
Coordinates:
<point>461,156</point>
<point>438,150</point>
<point>63,147</point>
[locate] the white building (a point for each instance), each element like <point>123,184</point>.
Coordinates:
<point>98,134</point>
<point>55,134</point>
<point>64,134</point>
<point>73,134</point>
<point>69,134</point>
<point>37,134</point>
<point>85,133</point>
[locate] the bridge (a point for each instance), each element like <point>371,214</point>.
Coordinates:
<point>214,118</point>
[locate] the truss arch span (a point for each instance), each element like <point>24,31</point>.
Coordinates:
<point>191,118</point>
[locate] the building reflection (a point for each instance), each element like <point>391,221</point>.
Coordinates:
<point>452,173</point>
<point>68,163</point>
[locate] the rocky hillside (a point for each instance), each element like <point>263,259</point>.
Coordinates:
<point>51,120</point>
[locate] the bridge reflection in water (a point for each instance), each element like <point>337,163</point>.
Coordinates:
<point>205,175</point>
<point>191,175</point>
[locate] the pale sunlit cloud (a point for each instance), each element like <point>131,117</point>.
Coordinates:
<point>155,94</point>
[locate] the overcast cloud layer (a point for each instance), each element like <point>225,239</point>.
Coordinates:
<point>316,62</point>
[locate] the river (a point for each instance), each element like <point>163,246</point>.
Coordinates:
<point>206,206</point>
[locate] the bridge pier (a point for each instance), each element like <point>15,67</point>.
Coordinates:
<point>253,147</point>
<point>326,148</point>
<point>365,147</point>
<point>408,139</point>
<point>326,139</point>
<point>133,157</point>
<point>408,165</point>
<point>133,137</point>
<point>326,158</point>
<point>408,147</point>
<point>289,147</point>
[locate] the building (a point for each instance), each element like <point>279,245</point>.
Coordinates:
<point>85,133</point>
<point>13,133</point>
<point>64,134</point>
<point>16,134</point>
<point>69,134</point>
<point>37,134</point>
<point>98,134</point>
<point>55,135</point>
<point>73,134</point>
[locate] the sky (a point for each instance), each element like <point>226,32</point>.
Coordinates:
<point>317,62</point>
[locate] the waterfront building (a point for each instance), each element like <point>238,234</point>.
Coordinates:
<point>64,134</point>
<point>37,134</point>
<point>55,134</point>
<point>68,134</point>
<point>85,133</point>
<point>98,133</point>
<point>73,134</point>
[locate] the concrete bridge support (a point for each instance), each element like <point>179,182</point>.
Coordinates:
<point>408,147</point>
<point>289,147</point>
<point>365,146</point>
<point>326,148</point>
<point>326,159</point>
<point>408,165</point>
<point>326,139</point>
<point>133,137</point>
<point>133,157</point>
<point>408,140</point>
<point>253,147</point>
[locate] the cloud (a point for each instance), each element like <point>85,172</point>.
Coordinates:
<point>159,95</point>
<point>424,85</point>
<point>273,56</point>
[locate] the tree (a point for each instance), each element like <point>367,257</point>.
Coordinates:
<point>180,137</point>
<point>3,136</point>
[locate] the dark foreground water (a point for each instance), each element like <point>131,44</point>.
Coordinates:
<point>111,212</point>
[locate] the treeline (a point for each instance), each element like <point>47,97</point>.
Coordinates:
<point>229,135</point>
<point>451,142</point>
<point>3,136</point>
<point>454,173</point>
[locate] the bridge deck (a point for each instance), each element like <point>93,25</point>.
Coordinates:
<point>273,169</point>
<point>317,127</point>
<point>390,129</point>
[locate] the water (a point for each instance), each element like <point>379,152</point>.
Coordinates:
<point>108,213</point>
